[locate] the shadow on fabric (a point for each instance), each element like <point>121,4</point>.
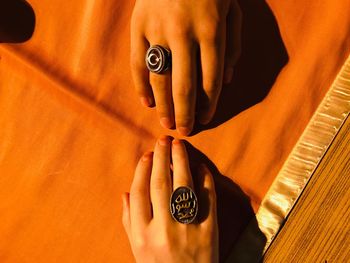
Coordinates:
<point>262,58</point>
<point>235,214</point>
<point>17,21</point>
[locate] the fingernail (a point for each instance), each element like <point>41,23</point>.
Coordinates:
<point>166,122</point>
<point>146,101</point>
<point>176,142</point>
<point>164,141</point>
<point>228,75</point>
<point>147,156</point>
<point>184,131</point>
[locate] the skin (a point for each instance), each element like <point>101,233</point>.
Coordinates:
<point>197,33</point>
<point>153,234</point>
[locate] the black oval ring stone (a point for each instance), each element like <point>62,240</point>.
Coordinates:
<point>184,205</point>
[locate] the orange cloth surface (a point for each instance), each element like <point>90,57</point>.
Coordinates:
<point>72,128</point>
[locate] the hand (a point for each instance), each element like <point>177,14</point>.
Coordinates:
<point>153,234</point>
<point>197,33</point>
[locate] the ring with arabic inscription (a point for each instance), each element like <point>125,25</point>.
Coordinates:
<point>184,205</point>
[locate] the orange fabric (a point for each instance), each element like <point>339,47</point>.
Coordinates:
<point>72,128</point>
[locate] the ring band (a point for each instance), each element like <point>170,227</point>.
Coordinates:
<point>158,59</point>
<point>184,205</point>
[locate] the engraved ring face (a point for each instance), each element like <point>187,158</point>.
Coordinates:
<point>158,59</point>
<point>184,205</point>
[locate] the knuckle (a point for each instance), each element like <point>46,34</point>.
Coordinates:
<point>212,87</point>
<point>158,82</point>
<point>164,112</point>
<point>137,192</point>
<point>179,32</point>
<point>178,155</point>
<point>140,242</point>
<point>183,120</point>
<point>137,60</point>
<point>209,31</point>
<point>158,184</point>
<point>179,16</point>
<point>182,91</point>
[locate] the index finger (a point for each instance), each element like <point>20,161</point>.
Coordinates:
<point>140,73</point>
<point>140,203</point>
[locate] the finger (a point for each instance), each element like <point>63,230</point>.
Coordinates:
<point>184,85</point>
<point>160,179</point>
<point>212,59</point>
<point>161,85</point>
<point>140,73</point>
<point>140,204</point>
<point>126,213</point>
<point>181,173</point>
<point>207,193</point>
<point>233,40</point>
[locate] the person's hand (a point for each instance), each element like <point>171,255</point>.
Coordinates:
<point>153,234</point>
<point>197,32</point>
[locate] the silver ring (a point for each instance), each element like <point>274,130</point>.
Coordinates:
<point>184,205</point>
<point>158,59</point>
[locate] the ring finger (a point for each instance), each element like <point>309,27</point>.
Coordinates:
<point>161,86</point>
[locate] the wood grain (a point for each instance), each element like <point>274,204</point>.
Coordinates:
<point>318,227</point>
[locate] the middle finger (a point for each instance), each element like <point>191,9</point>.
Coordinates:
<point>184,80</point>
